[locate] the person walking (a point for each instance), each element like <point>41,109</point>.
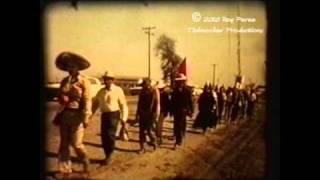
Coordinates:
<point>165,104</point>
<point>113,106</point>
<point>229,106</point>
<point>148,111</point>
<point>222,98</point>
<point>236,104</point>
<point>206,103</point>
<point>74,97</point>
<point>251,103</point>
<point>182,107</point>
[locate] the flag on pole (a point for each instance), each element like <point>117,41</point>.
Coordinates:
<point>183,67</point>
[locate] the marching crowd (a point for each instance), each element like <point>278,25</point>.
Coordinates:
<point>225,105</point>
<point>155,104</point>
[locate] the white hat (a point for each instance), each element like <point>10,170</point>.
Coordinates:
<point>144,80</point>
<point>108,74</point>
<point>153,82</point>
<point>181,77</point>
<point>140,81</point>
<point>238,85</point>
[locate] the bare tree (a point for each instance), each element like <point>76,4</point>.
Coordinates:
<point>165,48</point>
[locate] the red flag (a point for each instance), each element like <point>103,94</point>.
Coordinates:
<point>183,67</point>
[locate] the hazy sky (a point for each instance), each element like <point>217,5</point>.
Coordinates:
<point>110,36</point>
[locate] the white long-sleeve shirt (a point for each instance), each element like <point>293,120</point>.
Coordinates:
<point>111,100</point>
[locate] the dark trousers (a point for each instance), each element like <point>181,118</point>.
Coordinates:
<point>109,123</point>
<point>179,126</point>
<point>227,113</point>
<point>221,108</point>
<point>250,109</point>
<point>244,110</point>
<point>146,123</point>
<point>235,113</point>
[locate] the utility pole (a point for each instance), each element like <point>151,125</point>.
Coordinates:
<point>147,30</point>
<point>213,74</point>
<point>239,45</point>
<point>229,39</point>
<point>239,76</point>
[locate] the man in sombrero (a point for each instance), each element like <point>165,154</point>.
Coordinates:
<point>74,97</point>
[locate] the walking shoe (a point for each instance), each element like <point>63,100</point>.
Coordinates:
<point>204,132</point>
<point>141,151</point>
<point>65,167</point>
<point>106,161</point>
<point>177,146</point>
<point>159,141</point>
<point>154,145</point>
<point>86,166</point>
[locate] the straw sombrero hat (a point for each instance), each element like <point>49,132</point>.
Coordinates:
<point>67,59</point>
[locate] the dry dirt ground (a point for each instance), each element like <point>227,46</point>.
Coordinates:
<point>229,152</point>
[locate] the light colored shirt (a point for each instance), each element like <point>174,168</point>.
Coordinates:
<point>215,95</point>
<point>253,97</point>
<point>158,101</point>
<point>111,100</point>
<point>75,93</point>
<point>158,104</point>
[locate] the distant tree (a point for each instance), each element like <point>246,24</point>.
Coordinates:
<point>165,48</point>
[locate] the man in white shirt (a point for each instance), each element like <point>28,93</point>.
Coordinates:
<point>113,106</point>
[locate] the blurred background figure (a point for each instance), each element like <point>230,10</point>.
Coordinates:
<point>243,108</point>
<point>251,103</point>
<point>229,106</point>
<point>205,116</point>
<point>236,103</point>
<point>214,91</point>
<point>222,100</point>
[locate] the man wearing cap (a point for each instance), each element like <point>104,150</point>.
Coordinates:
<point>74,97</point>
<point>113,106</point>
<point>148,110</point>
<point>181,107</point>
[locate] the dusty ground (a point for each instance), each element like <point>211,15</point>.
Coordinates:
<point>233,152</point>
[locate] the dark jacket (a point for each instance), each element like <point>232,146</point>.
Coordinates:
<point>182,101</point>
<point>206,117</point>
<point>148,101</point>
<point>206,102</point>
<point>165,102</point>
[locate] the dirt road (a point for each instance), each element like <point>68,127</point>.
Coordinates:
<point>233,152</point>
